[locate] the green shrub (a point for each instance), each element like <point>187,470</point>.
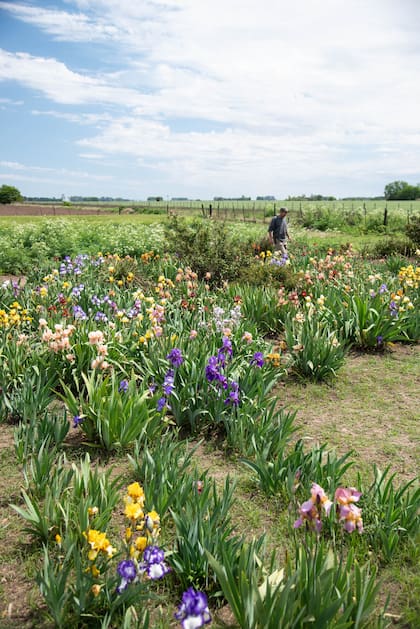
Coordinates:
<point>413,230</point>
<point>207,247</point>
<point>392,245</point>
<point>269,273</point>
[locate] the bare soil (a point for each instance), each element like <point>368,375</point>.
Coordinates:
<point>23,209</point>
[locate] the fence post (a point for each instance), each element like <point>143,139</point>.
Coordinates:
<point>386,216</point>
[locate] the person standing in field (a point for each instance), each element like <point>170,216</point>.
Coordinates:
<point>278,233</point>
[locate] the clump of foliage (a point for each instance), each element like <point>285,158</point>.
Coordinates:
<point>401,190</point>
<point>9,194</point>
<point>413,230</point>
<point>268,272</point>
<point>391,245</point>
<point>208,248</point>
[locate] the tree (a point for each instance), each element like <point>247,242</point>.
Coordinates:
<point>9,194</point>
<point>401,190</point>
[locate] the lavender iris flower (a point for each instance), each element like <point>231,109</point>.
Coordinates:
<point>168,383</point>
<point>101,316</point>
<point>79,313</point>
<point>393,309</point>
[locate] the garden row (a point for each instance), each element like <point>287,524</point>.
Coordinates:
<point>139,355</point>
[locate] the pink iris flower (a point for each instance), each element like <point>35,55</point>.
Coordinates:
<point>347,512</point>
<point>310,510</point>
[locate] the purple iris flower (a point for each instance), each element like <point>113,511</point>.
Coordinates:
<point>101,316</point>
<point>15,288</point>
<point>161,403</point>
<point>383,289</point>
<point>258,359</point>
<point>227,345</point>
<point>193,610</point>
<point>154,562</point>
<point>280,262</point>
<point>175,357</point>
<point>222,380</point>
<point>123,388</point>
<point>168,383</point>
<point>379,339</point>
<point>212,371</point>
<point>393,309</point>
<point>221,358</point>
<point>233,397</point>
<point>79,313</point>
<point>77,420</point>
<point>128,572</point>
<point>77,290</point>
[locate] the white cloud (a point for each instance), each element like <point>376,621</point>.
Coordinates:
<point>301,91</point>
<point>59,83</point>
<point>62,25</point>
<point>32,170</point>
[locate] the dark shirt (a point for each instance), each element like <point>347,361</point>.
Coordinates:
<point>278,226</point>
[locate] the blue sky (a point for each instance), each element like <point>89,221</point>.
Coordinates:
<point>204,98</point>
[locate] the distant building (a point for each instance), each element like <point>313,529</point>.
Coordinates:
<point>268,197</point>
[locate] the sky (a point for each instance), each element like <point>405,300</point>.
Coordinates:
<point>204,98</point>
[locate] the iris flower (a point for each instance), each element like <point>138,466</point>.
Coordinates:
<point>154,563</point>
<point>310,510</point>
<point>77,420</point>
<point>175,357</point>
<point>347,512</point>
<point>258,359</point>
<point>128,572</point>
<point>193,612</point>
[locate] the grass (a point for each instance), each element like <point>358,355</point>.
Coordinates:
<point>372,408</point>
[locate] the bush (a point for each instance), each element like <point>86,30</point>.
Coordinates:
<point>392,246</point>
<point>413,231</point>
<point>270,273</point>
<point>9,194</point>
<point>207,247</point>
